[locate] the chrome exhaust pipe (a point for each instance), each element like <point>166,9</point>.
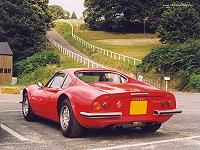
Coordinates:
<point>167,112</point>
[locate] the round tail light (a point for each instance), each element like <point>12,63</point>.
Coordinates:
<point>97,106</point>
<point>166,104</point>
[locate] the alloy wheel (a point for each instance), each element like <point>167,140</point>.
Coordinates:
<point>64,117</point>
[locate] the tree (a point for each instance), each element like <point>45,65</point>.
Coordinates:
<point>179,24</point>
<point>73,15</point>
<point>42,7</point>
<point>57,12</point>
<point>66,15</point>
<point>127,15</point>
<point>161,6</point>
<point>120,15</point>
<point>23,26</point>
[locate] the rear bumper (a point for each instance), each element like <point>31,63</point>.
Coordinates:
<point>101,115</point>
<point>167,112</point>
<point>101,120</point>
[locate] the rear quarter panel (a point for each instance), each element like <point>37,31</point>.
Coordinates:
<point>82,98</point>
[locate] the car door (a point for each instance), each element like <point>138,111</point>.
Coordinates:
<point>53,90</point>
<point>42,95</point>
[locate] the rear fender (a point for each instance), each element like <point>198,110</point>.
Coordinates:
<point>71,100</point>
<point>27,90</point>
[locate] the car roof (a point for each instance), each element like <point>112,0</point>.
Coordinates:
<point>72,70</point>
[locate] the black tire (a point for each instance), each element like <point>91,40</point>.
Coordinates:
<point>70,127</point>
<point>26,109</point>
<point>151,127</point>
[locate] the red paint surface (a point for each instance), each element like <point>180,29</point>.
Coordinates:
<point>82,96</point>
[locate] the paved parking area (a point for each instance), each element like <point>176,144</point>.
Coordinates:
<point>181,132</point>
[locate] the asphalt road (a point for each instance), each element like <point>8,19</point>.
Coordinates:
<point>181,132</point>
<point>59,39</point>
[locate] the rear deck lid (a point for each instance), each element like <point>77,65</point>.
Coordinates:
<point>133,89</point>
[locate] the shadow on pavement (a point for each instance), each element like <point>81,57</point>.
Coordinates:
<point>105,132</point>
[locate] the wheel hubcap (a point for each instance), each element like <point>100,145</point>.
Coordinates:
<point>64,117</point>
<point>25,106</point>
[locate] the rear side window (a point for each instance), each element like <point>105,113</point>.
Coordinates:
<point>57,81</point>
<point>66,82</point>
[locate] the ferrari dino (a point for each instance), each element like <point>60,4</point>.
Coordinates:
<point>97,98</point>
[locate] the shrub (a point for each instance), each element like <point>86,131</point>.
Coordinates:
<point>179,24</point>
<point>37,60</point>
<point>195,81</point>
<point>41,74</point>
<point>174,60</point>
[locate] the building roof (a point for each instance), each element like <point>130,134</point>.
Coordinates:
<point>5,49</point>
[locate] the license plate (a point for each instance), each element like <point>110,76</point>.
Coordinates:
<point>138,108</point>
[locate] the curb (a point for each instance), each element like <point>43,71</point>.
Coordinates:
<point>9,90</point>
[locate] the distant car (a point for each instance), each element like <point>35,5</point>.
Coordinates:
<point>98,98</point>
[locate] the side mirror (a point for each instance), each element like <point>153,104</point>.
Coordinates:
<point>40,84</point>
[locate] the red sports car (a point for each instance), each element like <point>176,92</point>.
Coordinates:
<point>98,98</point>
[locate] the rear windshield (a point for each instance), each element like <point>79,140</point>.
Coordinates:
<point>89,77</point>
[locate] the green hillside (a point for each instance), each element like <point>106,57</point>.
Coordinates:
<point>65,30</point>
<point>134,45</point>
<point>43,74</point>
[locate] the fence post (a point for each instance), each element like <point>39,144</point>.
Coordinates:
<point>81,60</point>
<point>77,58</point>
<point>124,58</point>
<point>88,63</point>
<point>92,64</point>
<point>84,62</point>
<point>115,56</point>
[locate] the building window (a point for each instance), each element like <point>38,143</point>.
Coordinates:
<point>9,70</point>
<point>5,70</point>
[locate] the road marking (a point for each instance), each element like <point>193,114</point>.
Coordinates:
<point>145,144</point>
<point>2,111</point>
<point>20,137</point>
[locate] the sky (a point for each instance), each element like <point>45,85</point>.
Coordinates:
<point>70,5</point>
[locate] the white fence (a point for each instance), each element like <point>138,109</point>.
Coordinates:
<point>80,59</point>
<point>113,55</point>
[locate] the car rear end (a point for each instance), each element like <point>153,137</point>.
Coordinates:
<point>130,108</point>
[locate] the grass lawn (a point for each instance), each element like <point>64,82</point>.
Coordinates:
<point>134,45</point>
<point>66,62</point>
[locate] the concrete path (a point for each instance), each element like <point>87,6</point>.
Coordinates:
<point>59,38</point>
